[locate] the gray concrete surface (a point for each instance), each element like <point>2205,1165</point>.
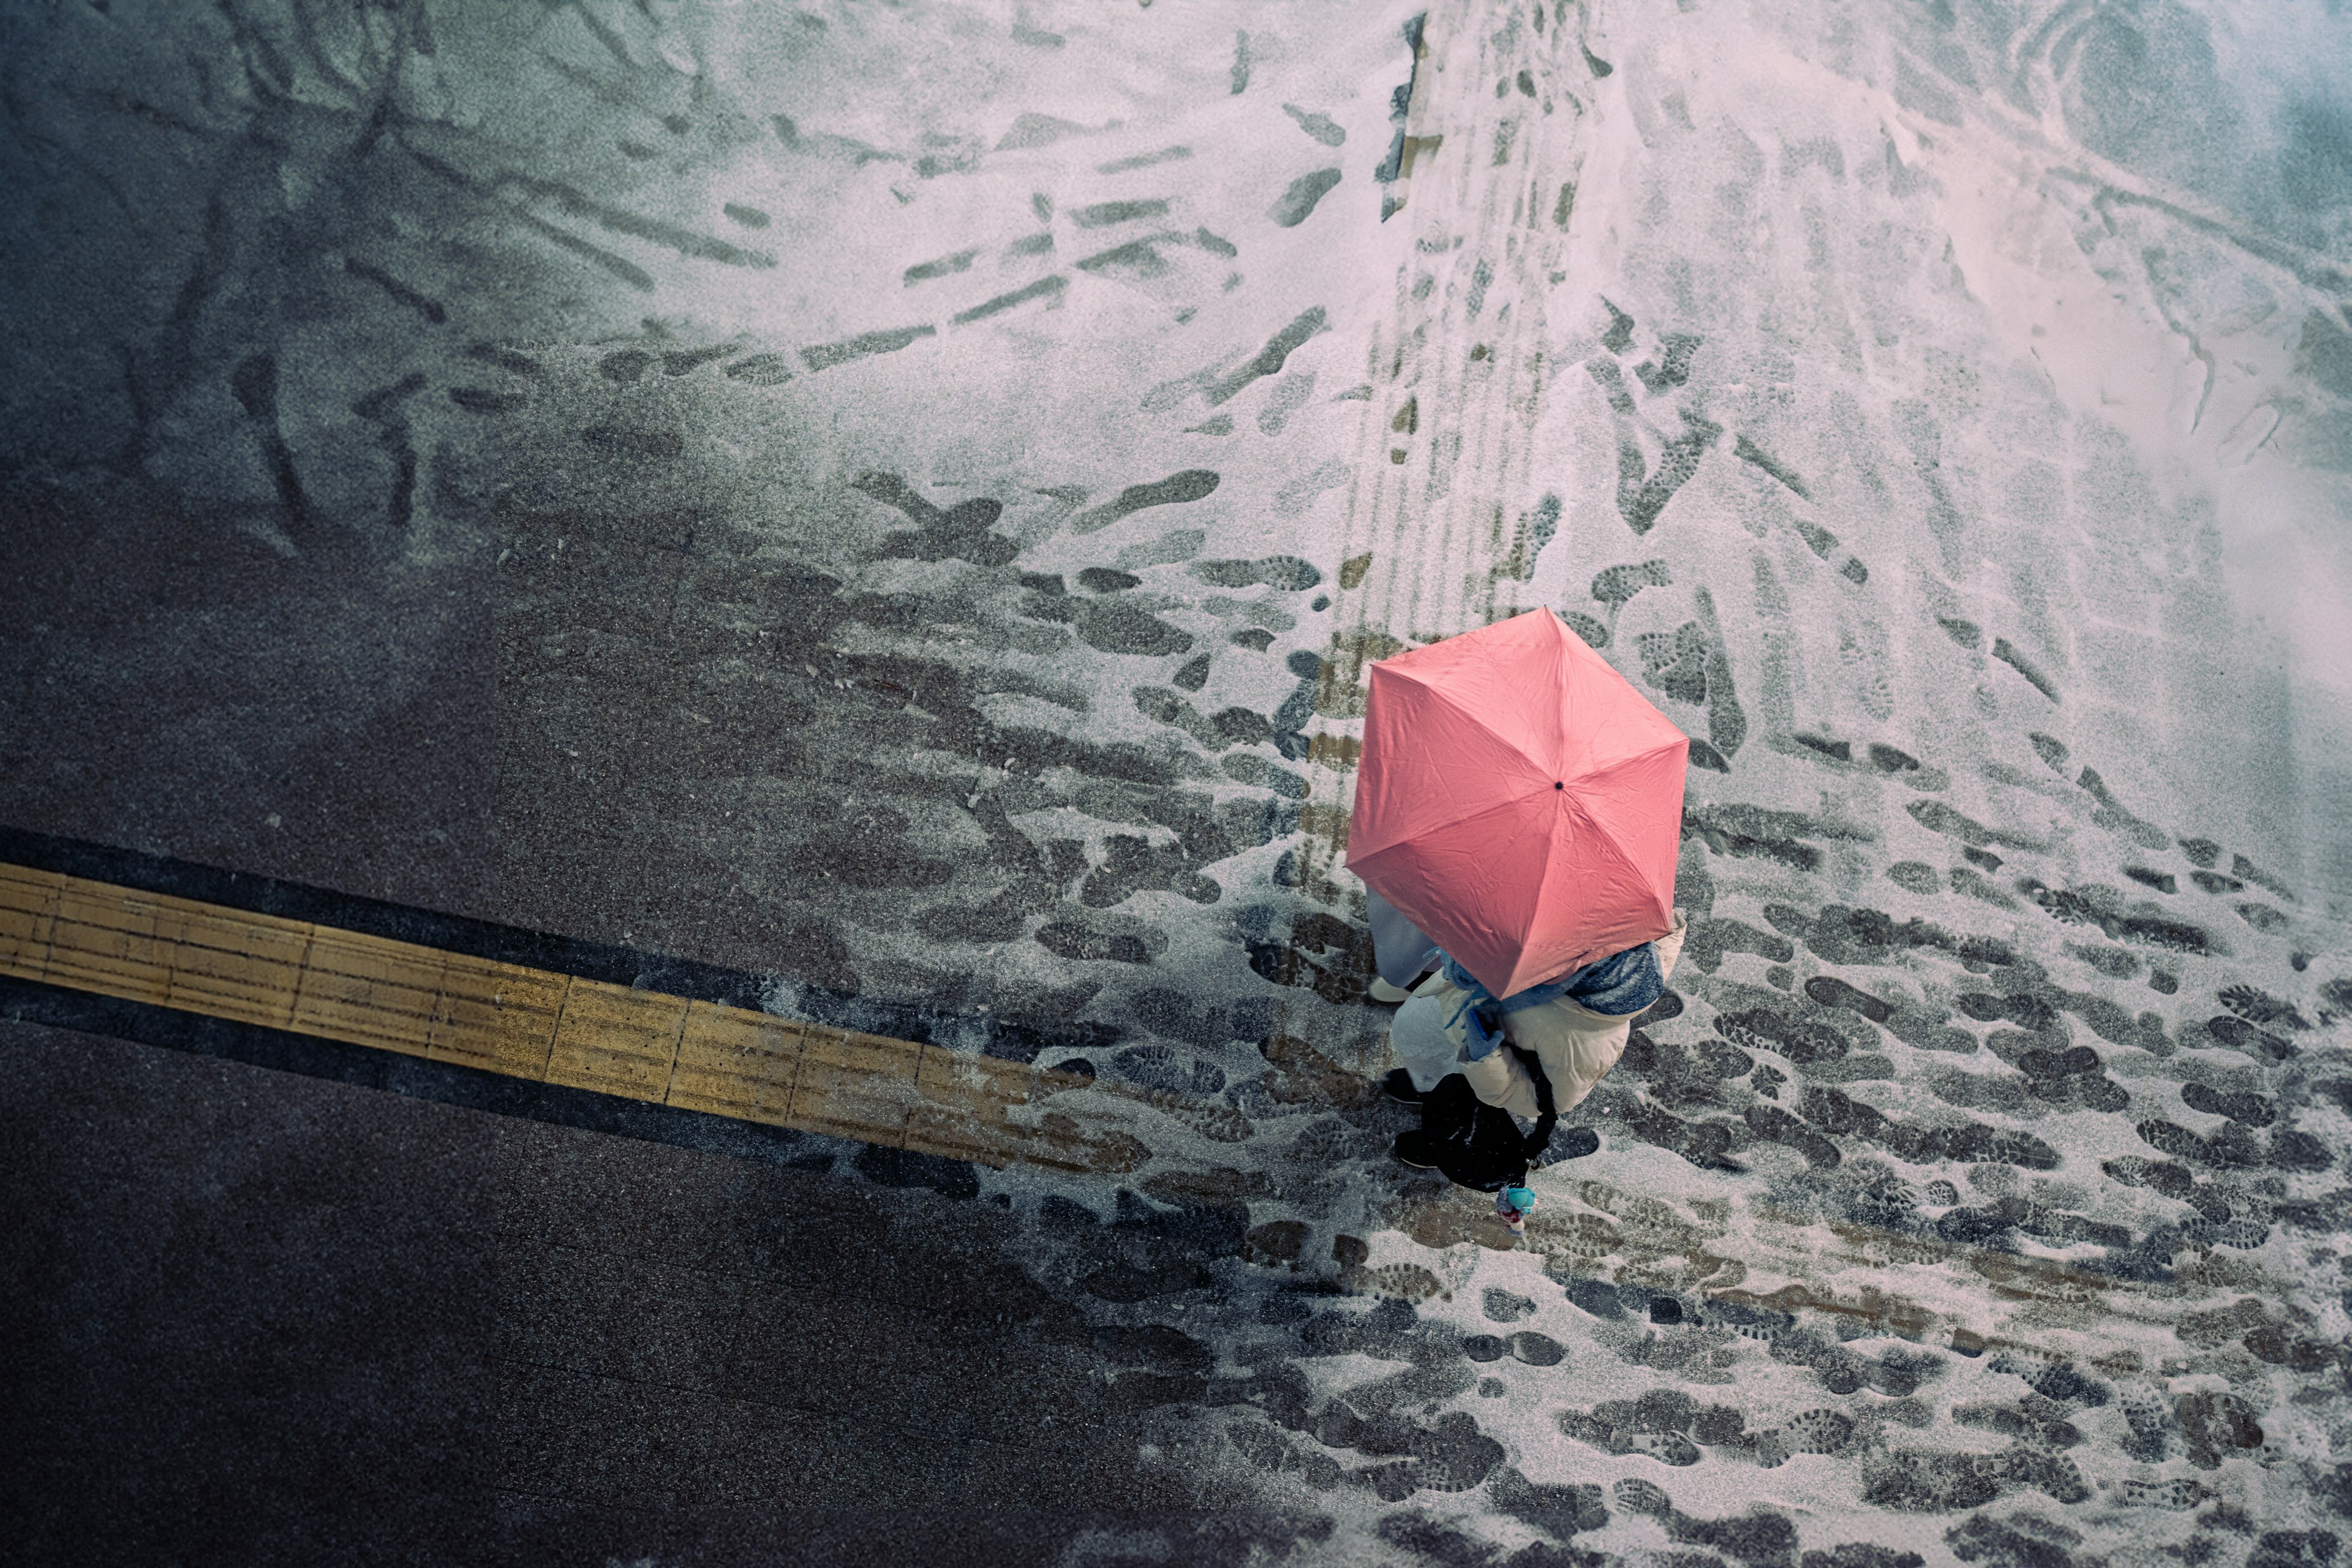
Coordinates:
<point>258,1317</point>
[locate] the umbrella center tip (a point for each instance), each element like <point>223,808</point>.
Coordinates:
<point>1559,784</point>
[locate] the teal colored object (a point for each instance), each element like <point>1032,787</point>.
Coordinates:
<point>1512,1207</point>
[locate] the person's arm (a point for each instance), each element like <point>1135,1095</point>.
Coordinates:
<point>1577,1045</point>
<point>1500,1080</point>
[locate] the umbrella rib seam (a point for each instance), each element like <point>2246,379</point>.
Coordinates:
<point>1440,827</point>
<point>1498,805</point>
<point>1491,734</point>
<point>1609,845</point>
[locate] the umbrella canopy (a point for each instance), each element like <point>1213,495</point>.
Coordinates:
<point>1518,801</point>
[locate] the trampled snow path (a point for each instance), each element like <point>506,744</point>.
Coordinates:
<point>1892,443</point>
<point>1888,439</point>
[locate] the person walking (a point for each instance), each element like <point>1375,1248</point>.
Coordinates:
<point>1537,1052</point>
<point>1516,820</point>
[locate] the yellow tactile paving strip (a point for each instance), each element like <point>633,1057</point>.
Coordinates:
<point>537,1024</point>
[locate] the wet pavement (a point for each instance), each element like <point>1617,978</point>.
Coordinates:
<point>895,505</point>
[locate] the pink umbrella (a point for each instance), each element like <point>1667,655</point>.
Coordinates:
<point>1518,801</point>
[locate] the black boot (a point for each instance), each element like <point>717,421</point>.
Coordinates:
<point>1417,1149</point>
<point>1447,1114</point>
<point>1397,1085</point>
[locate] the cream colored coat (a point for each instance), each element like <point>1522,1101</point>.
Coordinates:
<point>1576,1045</point>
